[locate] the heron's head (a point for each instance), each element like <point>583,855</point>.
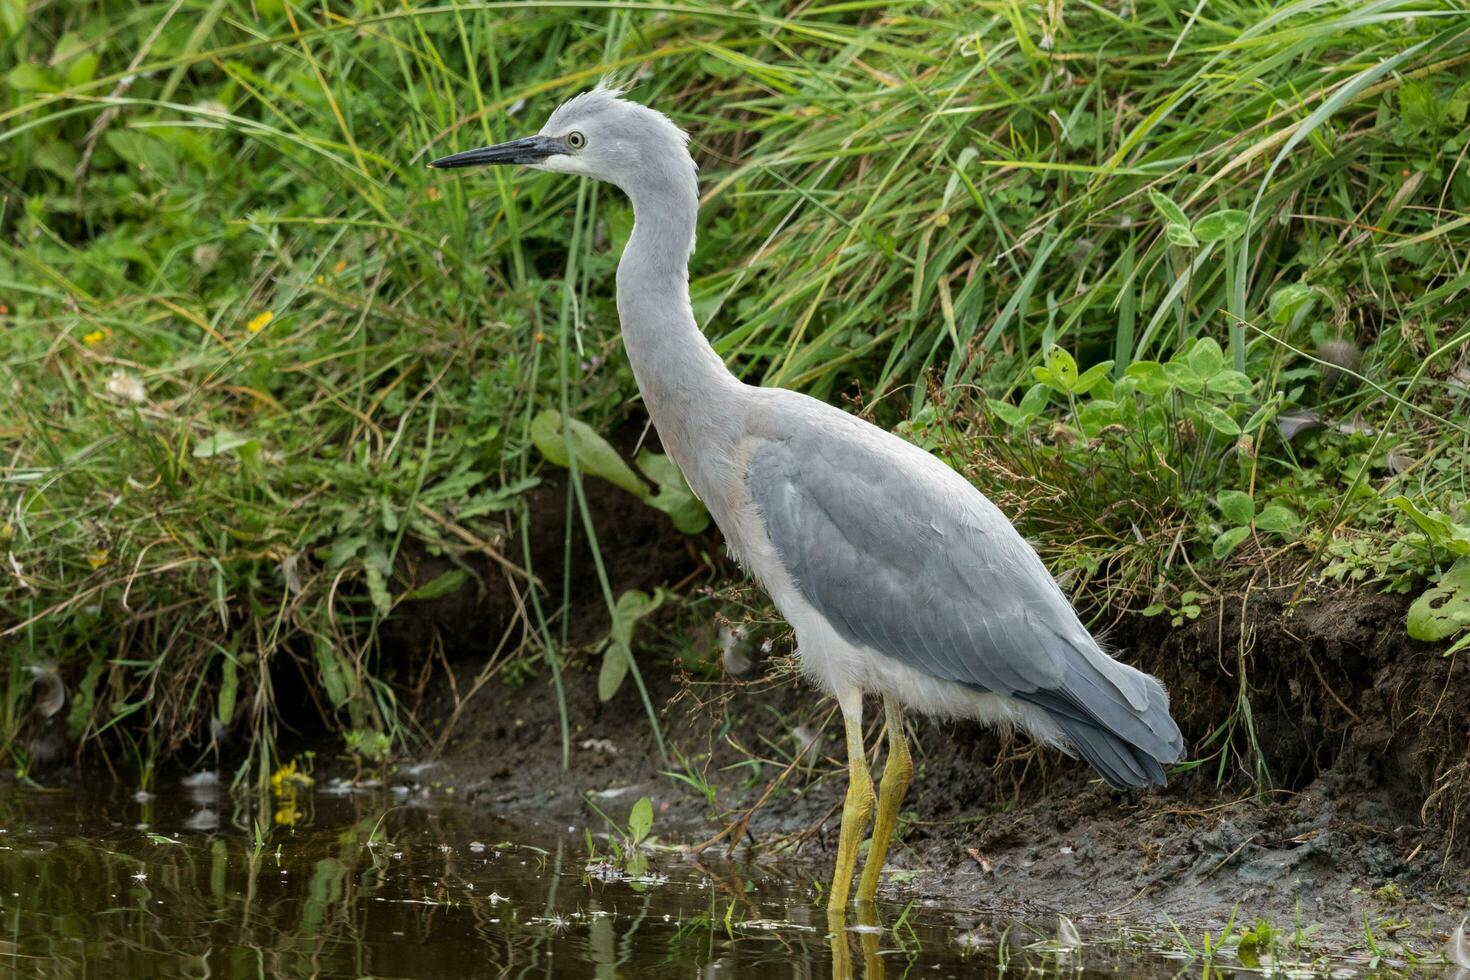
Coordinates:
<point>598,134</point>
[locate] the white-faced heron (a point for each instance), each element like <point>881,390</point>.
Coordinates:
<point>899,578</point>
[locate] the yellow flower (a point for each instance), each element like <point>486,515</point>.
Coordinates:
<point>340,267</point>
<point>285,779</point>
<point>98,558</point>
<point>259,323</point>
<point>94,338</point>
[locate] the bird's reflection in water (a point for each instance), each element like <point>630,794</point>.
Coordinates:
<point>863,923</point>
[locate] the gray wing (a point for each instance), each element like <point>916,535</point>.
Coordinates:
<point>904,557</point>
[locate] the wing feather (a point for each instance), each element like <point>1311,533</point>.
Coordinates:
<point>905,557</point>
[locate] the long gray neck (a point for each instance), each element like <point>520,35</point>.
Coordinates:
<point>690,394</point>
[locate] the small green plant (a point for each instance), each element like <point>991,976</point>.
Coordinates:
<point>554,434</point>
<point>617,649</point>
<point>1239,509</point>
<point>1187,610</point>
<point>1258,941</point>
<point>1443,610</point>
<point>627,845</point>
<point>368,745</point>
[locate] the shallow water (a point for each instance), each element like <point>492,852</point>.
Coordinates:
<point>102,884</point>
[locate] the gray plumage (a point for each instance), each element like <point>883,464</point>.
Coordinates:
<point>898,576</point>
<point>928,571</point>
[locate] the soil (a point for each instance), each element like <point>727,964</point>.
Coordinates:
<point>1364,736</point>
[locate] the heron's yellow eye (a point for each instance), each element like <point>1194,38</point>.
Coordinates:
<point>576,140</point>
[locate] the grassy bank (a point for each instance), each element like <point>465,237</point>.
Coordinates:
<point>1186,293</point>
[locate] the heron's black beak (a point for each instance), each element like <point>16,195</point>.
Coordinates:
<point>532,149</point>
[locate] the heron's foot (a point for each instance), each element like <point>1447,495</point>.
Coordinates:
<point>897,772</point>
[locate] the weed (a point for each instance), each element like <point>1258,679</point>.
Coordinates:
<point>254,358</point>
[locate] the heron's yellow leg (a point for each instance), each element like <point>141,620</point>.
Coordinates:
<point>856,807</point>
<point>895,783</point>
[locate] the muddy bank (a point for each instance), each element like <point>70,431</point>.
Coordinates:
<point>1361,732</point>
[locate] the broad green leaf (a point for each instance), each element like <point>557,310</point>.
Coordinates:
<point>344,549</point>
<point>1151,377</point>
<point>612,672</point>
<point>1090,378</point>
<point>1237,507</point>
<point>12,18</point>
<point>1230,382</point>
<point>28,77</point>
<point>1219,419</point>
<point>594,454</point>
<point>1458,103</point>
<point>1060,371</point>
<point>1443,610</point>
<point>617,656</point>
<point>1012,415</point>
<point>1035,399</point>
<point>1440,530</point>
<point>1172,212</point>
<point>221,442</point>
<point>640,820</point>
<point>1205,358</point>
<point>57,157</point>
<point>441,585</point>
<point>74,58</point>
<point>1221,226</point>
<point>229,686</point>
<point>330,672</point>
<point>1277,519</point>
<point>1285,302</point>
<point>674,496</point>
<point>142,151</point>
<point>1229,541</point>
<point>1180,235</point>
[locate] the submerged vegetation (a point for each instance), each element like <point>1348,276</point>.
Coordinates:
<point>1185,293</point>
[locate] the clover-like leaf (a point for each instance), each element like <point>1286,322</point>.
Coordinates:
<point>1150,376</point>
<point>1205,358</point>
<point>1285,302</point>
<point>1172,212</point>
<point>1219,419</point>
<point>1180,235</point>
<point>1092,377</point>
<point>1230,382</point>
<point>1059,372</point>
<point>1221,226</point>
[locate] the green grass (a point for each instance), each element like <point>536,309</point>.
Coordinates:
<point>907,206</point>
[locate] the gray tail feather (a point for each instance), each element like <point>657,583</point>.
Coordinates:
<point>1127,747</point>
<point>1120,763</point>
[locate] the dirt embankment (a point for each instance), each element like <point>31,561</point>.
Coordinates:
<point>1361,735</point>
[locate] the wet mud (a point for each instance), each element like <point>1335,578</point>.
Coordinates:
<point>1328,772</point>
